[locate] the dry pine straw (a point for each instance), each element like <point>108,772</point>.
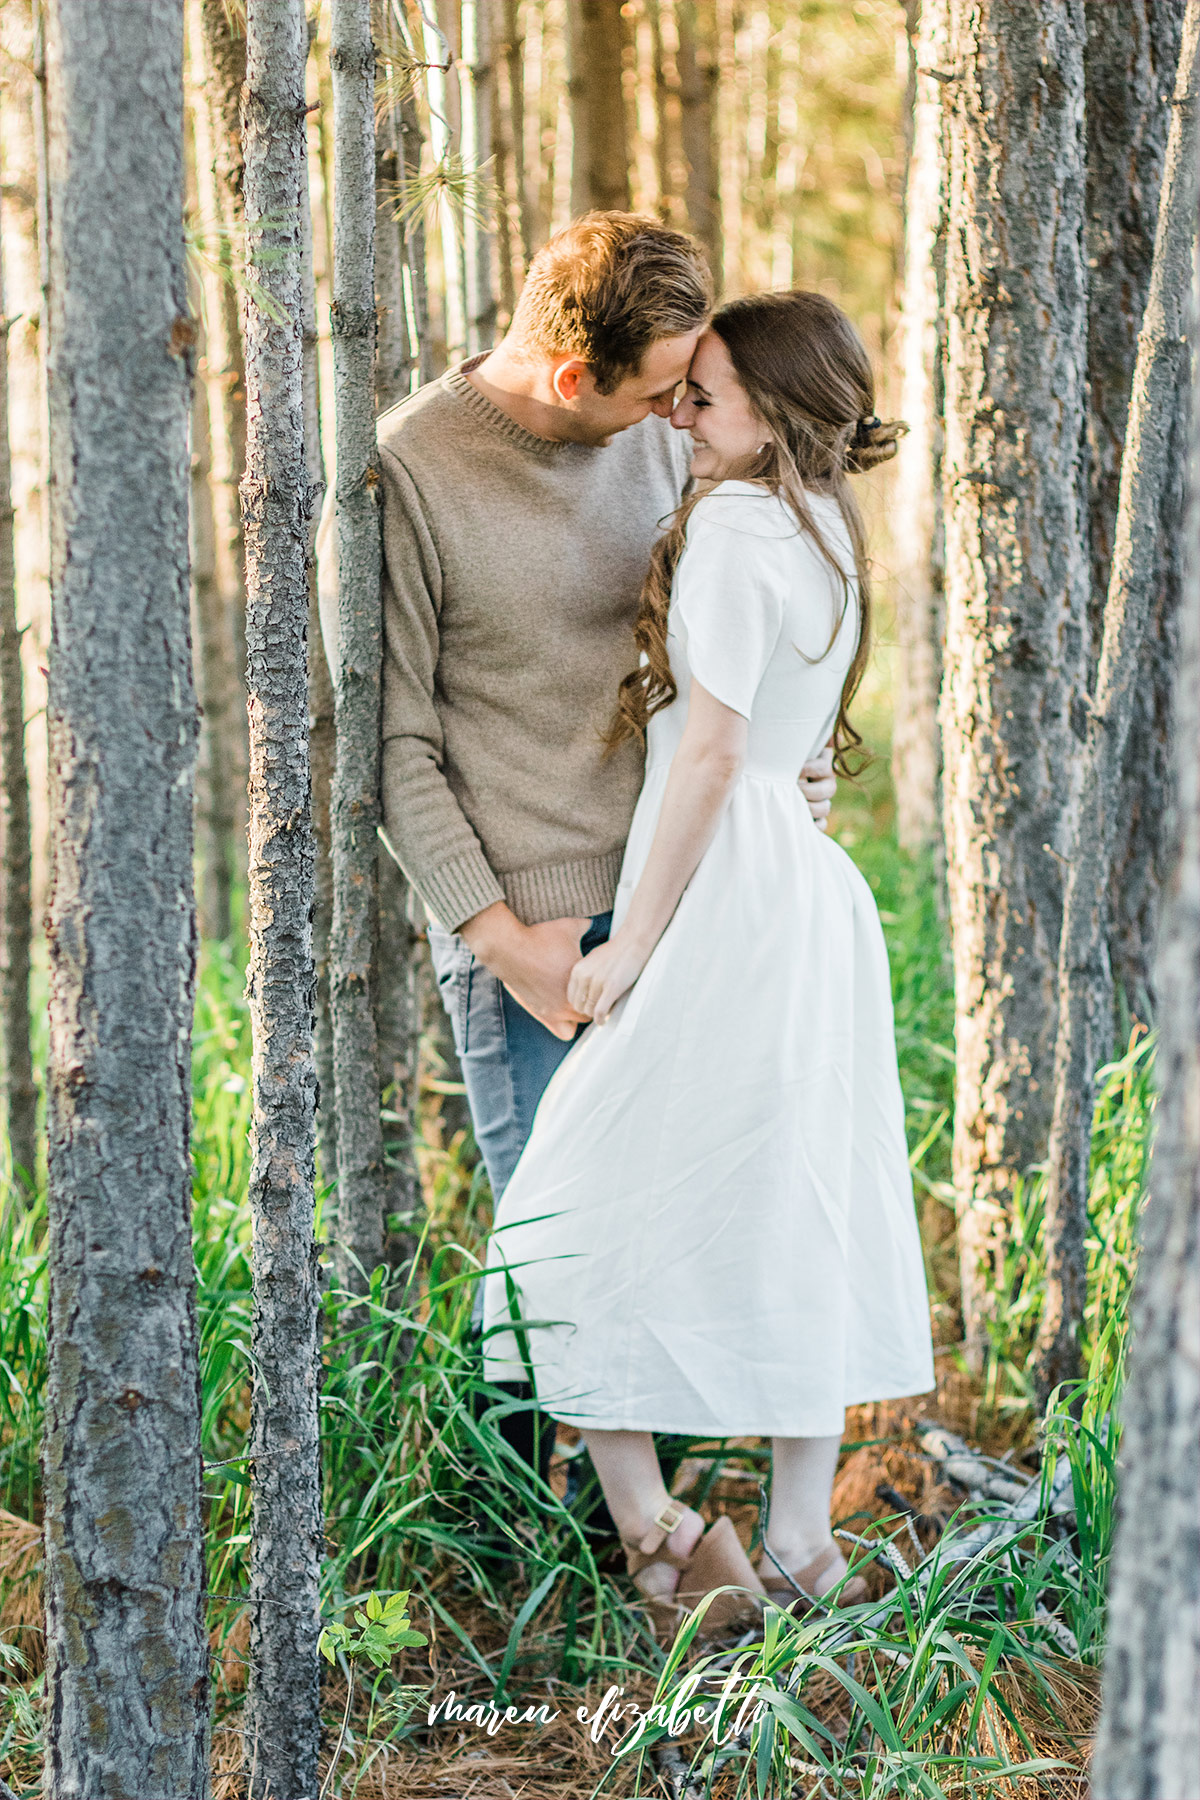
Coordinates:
<point>560,1761</point>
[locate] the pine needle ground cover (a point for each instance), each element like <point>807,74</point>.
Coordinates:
<point>971,1668</point>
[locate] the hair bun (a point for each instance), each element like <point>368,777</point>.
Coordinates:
<point>874,442</point>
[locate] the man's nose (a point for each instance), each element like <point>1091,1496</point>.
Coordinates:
<point>662,406</point>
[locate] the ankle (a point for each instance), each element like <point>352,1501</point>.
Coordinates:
<point>797,1549</point>
<point>635,1527</point>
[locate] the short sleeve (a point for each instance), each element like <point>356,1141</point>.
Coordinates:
<point>729,602</point>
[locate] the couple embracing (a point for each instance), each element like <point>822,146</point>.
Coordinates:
<point>626,611</point>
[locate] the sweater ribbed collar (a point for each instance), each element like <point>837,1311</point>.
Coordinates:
<point>489,414</point>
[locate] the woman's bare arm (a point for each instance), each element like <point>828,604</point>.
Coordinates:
<point>703,770</point>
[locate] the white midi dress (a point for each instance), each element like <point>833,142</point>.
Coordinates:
<point>711,1229</point>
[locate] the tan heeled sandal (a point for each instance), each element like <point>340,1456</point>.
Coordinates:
<point>803,1589</point>
<point>718,1561</point>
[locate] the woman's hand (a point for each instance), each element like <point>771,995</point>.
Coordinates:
<point>598,980</point>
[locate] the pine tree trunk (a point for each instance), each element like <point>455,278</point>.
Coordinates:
<point>393,974</point>
<point>514,58</point>
<point>600,153</point>
<point>1161,382</point>
<point>478,150</point>
<point>218,65</point>
<point>1016,578</point>
<point>127,1676</point>
<point>321,750</point>
<point>444,137</point>
<point>411,142</point>
<point>355,807</point>
<point>919,525</point>
<point>1149,1740</point>
<point>16,1061</point>
<point>215,812</point>
<point>394,360</point>
<point>1130,75</point>
<point>697,58</point>
<point>283,1705</point>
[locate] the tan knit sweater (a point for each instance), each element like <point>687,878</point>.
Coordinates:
<point>512,567</point>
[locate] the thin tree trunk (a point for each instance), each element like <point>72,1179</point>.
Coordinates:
<point>127,1675</point>
<point>411,142</point>
<point>393,349</point>
<point>600,154</point>
<point>919,523</point>
<point>1130,75</point>
<point>478,149</point>
<point>397,1028</point>
<point>1161,383</point>
<point>514,57</point>
<point>1016,579</point>
<point>355,809</point>
<point>218,64</point>
<point>321,743</point>
<point>283,1703</point>
<point>698,104</point>
<point>1149,1740</point>
<point>439,57</point>
<point>215,778</point>
<point>16,922</point>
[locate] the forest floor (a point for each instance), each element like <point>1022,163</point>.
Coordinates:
<point>956,1678</point>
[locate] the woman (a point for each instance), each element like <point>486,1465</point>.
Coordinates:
<point>711,1230</point>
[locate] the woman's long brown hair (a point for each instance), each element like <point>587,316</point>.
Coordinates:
<point>808,377</point>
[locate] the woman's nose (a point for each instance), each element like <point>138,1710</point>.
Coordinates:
<point>683,416</point>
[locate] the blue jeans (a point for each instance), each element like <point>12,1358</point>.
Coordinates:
<point>507,1055</point>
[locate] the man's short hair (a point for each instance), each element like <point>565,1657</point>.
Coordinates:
<point>607,287</point>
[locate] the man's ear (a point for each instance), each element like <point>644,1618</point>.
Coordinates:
<point>567,377</point>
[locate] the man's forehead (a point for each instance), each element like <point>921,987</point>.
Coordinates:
<point>665,362</point>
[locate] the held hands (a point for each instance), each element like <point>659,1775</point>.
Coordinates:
<point>598,981</point>
<point>533,962</point>
<point>818,784</point>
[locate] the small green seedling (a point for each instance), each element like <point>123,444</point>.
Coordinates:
<point>385,1629</point>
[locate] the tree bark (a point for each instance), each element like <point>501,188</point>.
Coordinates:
<point>127,1676</point>
<point>1130,74</point>
<point>321,749</point>
<point>16,922</point>
<point>1016,578</point>
<point>444,137</point>
<point>394,360</point>
<point>283,1703</point>
<point>1149,1740</point>
<point>218,64</point>
<point>478,149</point>
<point>514,58</point>
<point>919,520</point>
<point>215,778</point>
<point>1161,382</point>
<point>600,153</point>
<point>697,60</point>
<point>355,806</point>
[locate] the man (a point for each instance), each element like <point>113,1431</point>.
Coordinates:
<point>522,493</point>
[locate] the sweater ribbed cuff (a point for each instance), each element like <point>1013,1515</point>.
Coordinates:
<point>457,890</point>
<point>564,890</point>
